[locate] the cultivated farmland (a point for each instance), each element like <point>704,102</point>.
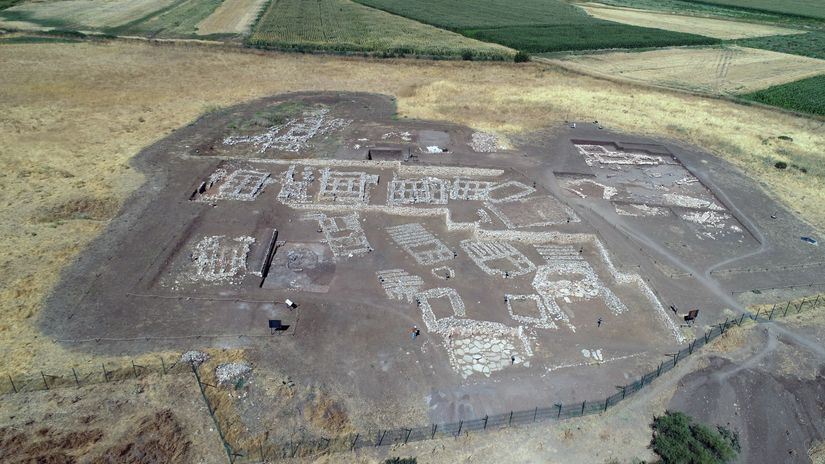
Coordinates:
<point>534,26</point>
<point>804,95</point>
<point>86,14</point>
<point>180,20</point>
<point>710,27</point>
<point>165,18</point>
<point>344,26</point>
<point>809,8</point>
<point>712,70</point>
<point>809,44</point>
<point>233,16</point>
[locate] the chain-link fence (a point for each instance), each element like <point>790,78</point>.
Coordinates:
<point>78,377</point>
<point>559,411</point>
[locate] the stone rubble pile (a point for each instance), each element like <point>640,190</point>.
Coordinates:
<point>483,142</point>
<point>196,358</point>
<point>231,372</point>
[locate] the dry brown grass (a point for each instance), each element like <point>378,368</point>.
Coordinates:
<point>718,28</point>
<point>729,70</point>
<point>74,114</point>
<point>231,17</point>
<point>734,339</point>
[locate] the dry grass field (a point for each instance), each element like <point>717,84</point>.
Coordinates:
<point>74,114</point>
<point>232,17</point>
<point>727,70</point>
<point>717,28</point>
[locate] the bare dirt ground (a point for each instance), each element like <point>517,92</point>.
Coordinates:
<point>503,259</point>
<point>718,28</point>
<point>765,382</point>
<point>727,70</point>
<point>231,17</point>
<point>75,114</point>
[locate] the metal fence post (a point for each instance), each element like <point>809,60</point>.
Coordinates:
<point>75,377</point>
<point>134,368</point>
<point>606,401</point>
<point>741,319</point>
<point>758,310</point>
<point>510,421</point>
<point>352,446</point>
<point>105,374</point>
<point>486,417</point>
<point>786,309</point>
<point>381,440</point>
<point>583,403</point>
<point>407,438</point>
<point>44,380</point>
<point>559,415</point>
<point>435,429</point>
<point>658,373</point>
<point>460,424</point>
<point>770,316</point>
<point>816,302</point>
<point>800,306</point>
<point>13,386</point>
<point>535,413</point>
<point>163,365</point>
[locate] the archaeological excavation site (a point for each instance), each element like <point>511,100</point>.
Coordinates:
<point>418,271</point>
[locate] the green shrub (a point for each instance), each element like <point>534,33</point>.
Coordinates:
<point>678,439</point>
<point>521,57</point>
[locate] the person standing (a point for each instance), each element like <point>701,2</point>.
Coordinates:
<point>599,322</point>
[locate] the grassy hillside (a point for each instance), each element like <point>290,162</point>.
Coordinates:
<point>344,26</point>
<point>805,96</point>
<point>532,25</point>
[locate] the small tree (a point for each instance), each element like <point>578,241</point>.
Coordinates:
<point>678,439</point>
<point>521,57</point>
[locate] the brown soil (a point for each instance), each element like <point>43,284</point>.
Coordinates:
<point>326,414</point>
<point>115,422</point>
<point>158,438</point>
<point>80,208</point>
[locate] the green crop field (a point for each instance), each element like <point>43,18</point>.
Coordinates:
<point>480,14</point>
<point>533,26</point>
<point>808,8</point>
<point>8,3</point>
<point>602,35</point>
<point>806,96</point>
<point>344,26</point>
<point>810,44</point>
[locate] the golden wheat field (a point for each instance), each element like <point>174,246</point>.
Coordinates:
<point>74,114</point>
<point>231,17</point>
<point>728,70</point>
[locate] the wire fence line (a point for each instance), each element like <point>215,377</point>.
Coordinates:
<point>79,377</point>
<point>558,411</point>
<point>48,379</point>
